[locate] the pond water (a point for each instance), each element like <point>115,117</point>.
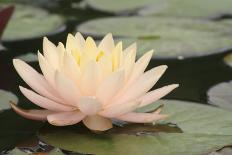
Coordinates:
<point>196,74</point>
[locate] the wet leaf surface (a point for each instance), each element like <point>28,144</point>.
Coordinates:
<point>29,22</point>
<point>201,134</point>
<point>170,37</point>
<point>221,95</point>
<point>5,98</point>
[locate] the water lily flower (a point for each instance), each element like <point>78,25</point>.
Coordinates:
<point>91,83</point>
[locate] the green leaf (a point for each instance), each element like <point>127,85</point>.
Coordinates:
<point>28,57</point>
<point>170,37</point>
<point>17,151</point>
<point>190,8</point>
<point>205,129</point>
<point>121,6</point>
<point>30,22</point>
<point>221,95</point>
<point>5,98</point>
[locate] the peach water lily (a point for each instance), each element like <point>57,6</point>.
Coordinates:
<point>95,84</point>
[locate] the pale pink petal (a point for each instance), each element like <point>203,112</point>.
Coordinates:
<point>156,94</point>
<point>65,118</point>
<point>72,43</point>
<point>61,51</point>
<point>80,40</point>
<point>50,53</point>
<point>34,114</point>
<point>110,86</point>
<point>114,110</point>
<point>35,80</point>
<point>67,89</point>
<point>141,117</point>
<point>89,105</point>
<point>44,102</point>
<point>132,48</point>
<point>47,69</point>
<point>90,78</point>
<point>70,68</point>
<point>140,67</point>
<point>97,123</point>
<point>144,83</point>
<point>107,43</point>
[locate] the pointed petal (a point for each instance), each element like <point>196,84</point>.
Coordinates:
<point>141,117</point>
<point>47,69</point>
<point>61,51</point>
<point>110,86</point>
<point>38,115</point>
<point>65,118</point>
<point>114,110</point>
<point>71,69</point>
<point>90,78</point>
<point>107,43</point>
<point>44,102</point>
<point>50,52</point>
<point>71,43</point>
<point>131,48</point>
<point>97,123</point>
<point>35,80</point>
<point>140,66</point>
<point>144,83</point>
<point>80,40</point>
<point>117,56</point>
<point>89,105</point>
<point>90,47</point>
<point>67,89</point>
<point>156,94</point>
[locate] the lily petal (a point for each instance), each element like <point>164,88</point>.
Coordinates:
<point>89,105</point>
<point>35,80</point>
<point>141,117</point>
<point>47,69</point>
<point>65,118</point>
<point>67,88</point>
<point>39,115</point>
<point>90,78</point>
<point>110,86</point>
<point>97,123</point>
<point>107,43</point>
<point>114,110</point>
<point>156,94</point>
<point>144,83</point>
<point>50,53</point>
<point>44,102</point>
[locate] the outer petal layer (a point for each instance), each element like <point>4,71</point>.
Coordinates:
<point>39,115</point>
<point>65,118</point>
<point>97,123</point>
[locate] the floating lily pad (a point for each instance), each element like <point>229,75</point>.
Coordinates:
<point>205,129</point>
<point>28,57</point>
<point>16,151</point>
<point>228,60</point>
<point>191,8</point>
<point>30,22</point>
<point>121,6</point>
<point>5,98</point>
<point>221,95</point>
<point>170,37</point>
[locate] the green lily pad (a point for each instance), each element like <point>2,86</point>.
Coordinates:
<point>28,57</point>
<point>170,37</point>
<point>5,98</point>
<point>205,129</point>
<point>17,151</point>
<point>221,95</point>
<point>120,6</point>
<point>190,8</point>
<point>30,22</point>
<point>228,59</point>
